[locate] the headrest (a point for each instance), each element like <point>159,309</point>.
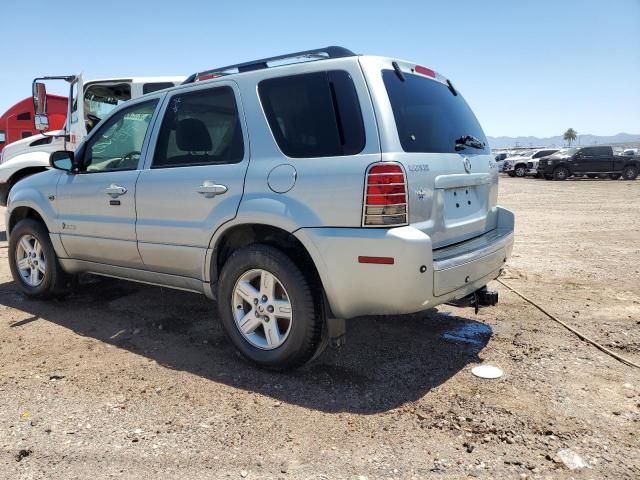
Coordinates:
<point>192,136</point>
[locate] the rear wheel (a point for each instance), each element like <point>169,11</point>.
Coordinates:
<point>630,172</point>
<point>33,262</point>
<point>561,173</point>
<point>267,308</point>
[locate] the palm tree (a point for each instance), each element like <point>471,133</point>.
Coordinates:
<point>570,135</point>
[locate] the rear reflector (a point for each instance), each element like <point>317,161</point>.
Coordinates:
<point>385,197</point>
<point>377,260</point>
<point>425,71</point>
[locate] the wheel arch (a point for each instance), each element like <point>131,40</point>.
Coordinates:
<point>22,212</point>
<point>245,234</point>
<point>25,172</point>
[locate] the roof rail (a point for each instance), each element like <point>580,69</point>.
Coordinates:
<point>318,53</point>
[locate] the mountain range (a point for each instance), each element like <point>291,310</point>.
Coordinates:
<point>557,141</point>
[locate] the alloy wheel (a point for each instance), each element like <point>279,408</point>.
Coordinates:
<point>30,260</point>
<point>262,309</point>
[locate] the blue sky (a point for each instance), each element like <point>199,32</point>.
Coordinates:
<point>526,68</point>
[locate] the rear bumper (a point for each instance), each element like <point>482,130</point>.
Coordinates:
<point>419,278</point>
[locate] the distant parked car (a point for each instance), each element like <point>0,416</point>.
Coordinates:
<point>527,164</point>
<point>512,158</point>
<point>594,162</point>
<point>500,158</point>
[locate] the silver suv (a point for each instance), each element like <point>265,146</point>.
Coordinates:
<point>298,191</point>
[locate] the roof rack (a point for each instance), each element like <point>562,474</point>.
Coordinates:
<point>317,54</point>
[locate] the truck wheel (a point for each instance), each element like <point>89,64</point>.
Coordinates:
<point>615,176</point>
<point>561,173</point>
<point>630,172</point>
<point>520,171</point>
<point>33,262</point>
<point>267,308</point>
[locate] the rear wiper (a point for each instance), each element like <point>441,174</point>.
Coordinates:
<point>468,141</point>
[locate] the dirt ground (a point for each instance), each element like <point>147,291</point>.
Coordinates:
<point>132,381</point>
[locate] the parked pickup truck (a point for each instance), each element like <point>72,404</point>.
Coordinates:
<point>590,161</point>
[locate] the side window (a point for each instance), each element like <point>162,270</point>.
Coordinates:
<point>314,114</point>
<point>3,136</point>
<point>200,127</point>
<point>24,116</point>
<point>117,145</point>
<point>25,134</point>
<point>587,152</point>
<point>154,87</point>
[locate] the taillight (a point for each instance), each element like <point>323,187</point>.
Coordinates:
<point>385,196</point>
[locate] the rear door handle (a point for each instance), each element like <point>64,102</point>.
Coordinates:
<point>210,189</point>
<point>115,190</point>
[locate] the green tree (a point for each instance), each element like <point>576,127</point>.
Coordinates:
<point>570,135</point>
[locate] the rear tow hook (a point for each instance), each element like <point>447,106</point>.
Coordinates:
<point>480,298</point>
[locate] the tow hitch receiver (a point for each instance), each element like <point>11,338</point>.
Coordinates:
<point>480,298</point>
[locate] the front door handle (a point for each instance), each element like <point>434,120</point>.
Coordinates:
<point>210,189</point>
<point>115,190</point>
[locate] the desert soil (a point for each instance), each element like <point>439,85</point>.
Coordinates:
<point>132,381</point>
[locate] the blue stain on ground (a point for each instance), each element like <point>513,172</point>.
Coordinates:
<point>471,332</point>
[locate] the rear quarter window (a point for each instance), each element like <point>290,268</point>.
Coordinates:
<point>314,114</point>
<point>429,117</point>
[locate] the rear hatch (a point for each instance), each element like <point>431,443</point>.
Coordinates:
<point>426,126</point>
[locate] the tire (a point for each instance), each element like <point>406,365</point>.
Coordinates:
<point>520,171</point>
<point>561,173</point>
<point>630,172</point>
<point>548,177</point>
<point>276,343</point>
<point>39,275</point>
<point>511,174</point>
<point>615,176</point>
<point>591,175</point>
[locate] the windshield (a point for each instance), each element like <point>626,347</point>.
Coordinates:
<point>429,117</point>
<point>565,152</point>
<point>99,100</point>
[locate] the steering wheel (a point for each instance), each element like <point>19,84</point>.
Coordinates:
<point>93,118</point>
<point>130,160</point>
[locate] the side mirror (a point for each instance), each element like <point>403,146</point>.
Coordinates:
<point>39,93</point>
<point>62,160</point>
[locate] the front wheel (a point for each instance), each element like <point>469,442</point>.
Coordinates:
<point>630,172</point>
<point>561,173</point>
<point>33,262</point>
<point>520,171</point>
<point>267,308</point>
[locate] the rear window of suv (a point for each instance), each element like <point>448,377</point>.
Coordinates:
<point>429,117</point>
<point>314,114</point>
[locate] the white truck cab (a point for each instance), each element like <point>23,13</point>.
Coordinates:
<point>96,99</point>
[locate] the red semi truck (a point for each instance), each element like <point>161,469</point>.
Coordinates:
<point>17,122</point>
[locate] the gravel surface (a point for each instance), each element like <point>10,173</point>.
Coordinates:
<point>132,381</point>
